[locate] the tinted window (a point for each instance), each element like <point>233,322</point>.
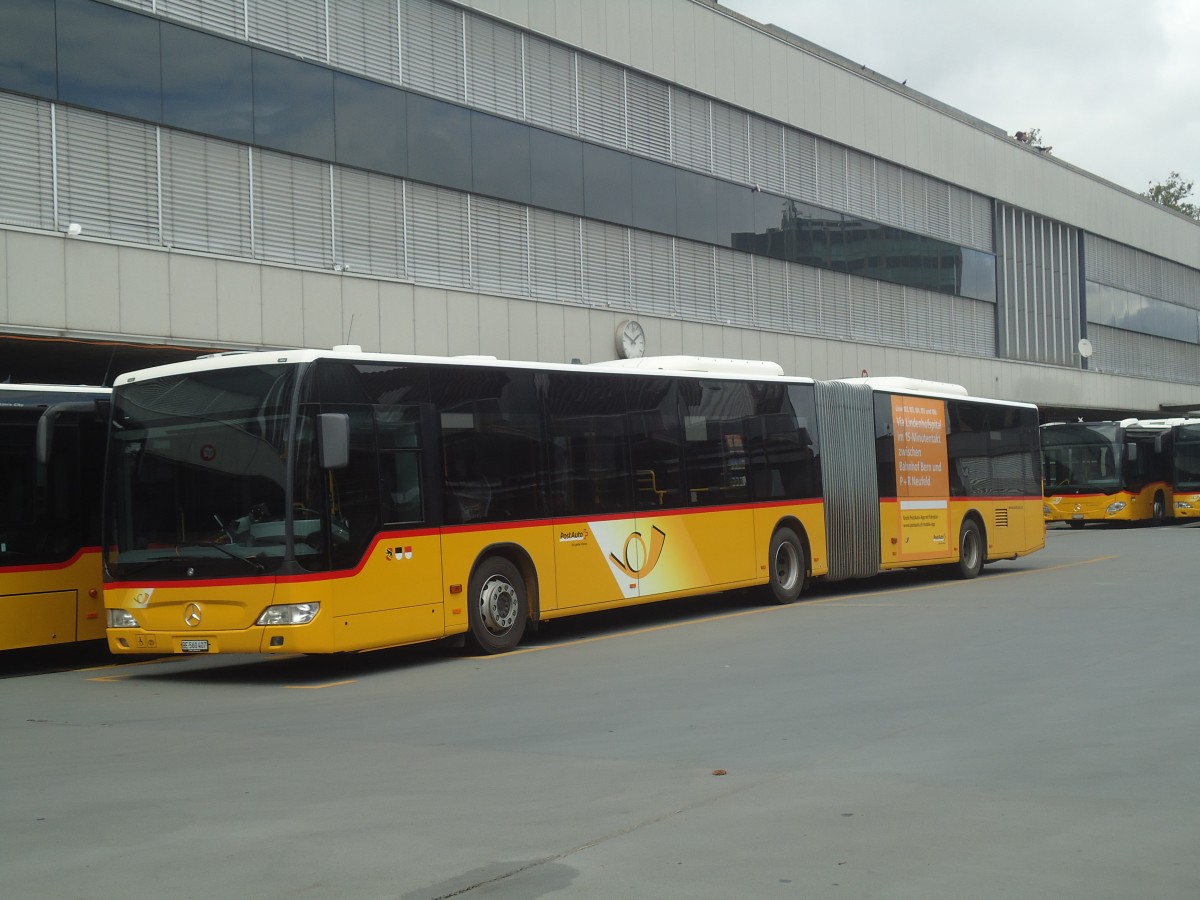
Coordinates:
<point>207,84</point>
<point>653,196</point>
<point>293,105</point>
<point>607,185</point>
<point>439,143</point>
<point>992,450</point>
<point>557,166</point>
<point>370,125</point>
<point>781,443</point>
<point>714,440</point>
<point>696,206</point>
<point>500,158</point>
<point>28,61</point>
<point>735,213</point>
<point>491,444</point>
<point>109,59</point>
<point>589,444</point>
<point>655,437</point>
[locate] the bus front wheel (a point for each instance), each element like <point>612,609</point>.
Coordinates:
<point>1159,509</point>
<point>498,606</point>
<point>788,565</point>
<point>970,549</point>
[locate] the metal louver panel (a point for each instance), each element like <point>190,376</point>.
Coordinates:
<point>835,304</point>
<point>292,210</point>
<point>695,281</point>
<point>222,16</point>
<point>866,322</point>
<point>601,101</point>
<point>369,216</point>
<point>206,194</point>
<point>846,417</point>
<point>297,26</point>
<point>831,175</point>
<point>107,176</point>
<point>499,246</point>
<point>653,265</point>
<point>26,166</point>
<point>891,313</point>
<point>770,294</point>
<point>916,210</point>
<point>556,262</point>
<point>606,264</point>
<point>766,155</point>
<point>800,156</point>
<point>432,55</point>
<point>437,239</point>
<point>937,195</point>
<point>860,194</point>
<point>649,103</point>
<point>550,85</point>
<point>691,134</point>
<point>804,298</point>
<point>364,38</point>
<point>735,288</point>
<point>889,192</point>
<point>495,67</point>
<point>731,153</point>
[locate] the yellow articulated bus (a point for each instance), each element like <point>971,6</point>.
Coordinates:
<point>1185,467</point>
<point>1112,471</point>
<point>325,501</point>
<point>52,440</point>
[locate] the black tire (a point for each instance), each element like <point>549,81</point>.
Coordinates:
<point>971,552</point>
<point>787,565</point>
<point>497,607</point>
<point>1158,511</point>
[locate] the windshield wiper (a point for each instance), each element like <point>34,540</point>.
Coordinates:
<point>252,563</point>
<point>128,570</point>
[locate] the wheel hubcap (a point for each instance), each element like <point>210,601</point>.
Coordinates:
<point>787,566</point>
<point>498,605</point>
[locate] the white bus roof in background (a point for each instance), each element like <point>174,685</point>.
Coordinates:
<point>674,365</point>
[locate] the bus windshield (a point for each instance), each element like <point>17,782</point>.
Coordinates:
<point>1081,457</point>
<point>1187,458</point>
<point>198,475</point>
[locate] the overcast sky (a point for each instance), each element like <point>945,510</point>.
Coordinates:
<point>1113,86</point>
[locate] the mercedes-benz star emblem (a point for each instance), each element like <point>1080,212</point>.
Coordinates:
<point>191,615</point>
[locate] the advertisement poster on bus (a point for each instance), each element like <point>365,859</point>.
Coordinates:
<point>922,475</point>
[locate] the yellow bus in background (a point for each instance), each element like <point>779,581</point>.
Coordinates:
<point>1110,471</point>
<point>52,440</point>
<point>327,501</point>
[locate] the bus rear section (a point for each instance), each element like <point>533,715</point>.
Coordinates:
<point>51,465</point>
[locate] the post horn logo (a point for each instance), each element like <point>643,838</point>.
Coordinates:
<point>191,615</point>
<point>637,562</point>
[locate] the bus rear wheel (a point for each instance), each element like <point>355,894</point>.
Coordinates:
<point>970,549</point>
<point>788,565</point>
<point>498,606</point>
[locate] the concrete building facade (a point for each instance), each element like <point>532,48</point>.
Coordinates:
<point>520,178</point>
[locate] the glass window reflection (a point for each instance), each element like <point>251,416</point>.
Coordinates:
<point>293,105</point>
<point>439,142</point>
<point>557,162</point>
<point>370,125</point>
<point>28,61</point>
<point>109,59</point>
<point>500,158</point>
<point>207,84</point>
<point>607,185</point>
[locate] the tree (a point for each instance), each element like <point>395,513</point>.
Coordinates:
<point>1032,137</point>
<point>1173,194</point>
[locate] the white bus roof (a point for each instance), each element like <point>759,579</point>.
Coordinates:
<point>678,365</point>
<point>56,389</point>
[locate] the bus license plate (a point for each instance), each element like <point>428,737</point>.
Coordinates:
<point>193,646</point>
<point>1076,515</point>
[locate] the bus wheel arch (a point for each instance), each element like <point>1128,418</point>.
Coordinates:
<point>501,599</point>
<point>789,562</point>
<point>972,546</point>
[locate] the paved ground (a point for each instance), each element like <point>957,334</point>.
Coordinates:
<point>1034,733</point>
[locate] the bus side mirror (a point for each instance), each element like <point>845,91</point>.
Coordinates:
<point>1131,452</point>
<point>333,440</point>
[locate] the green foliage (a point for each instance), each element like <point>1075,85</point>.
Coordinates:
<point>1173,193</point>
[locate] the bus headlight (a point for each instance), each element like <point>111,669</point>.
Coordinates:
<point>120,618</point>
<point>1047,511</point>
<point>1182,504</point>
<point>1114,508</point>
<point>289,614</point>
